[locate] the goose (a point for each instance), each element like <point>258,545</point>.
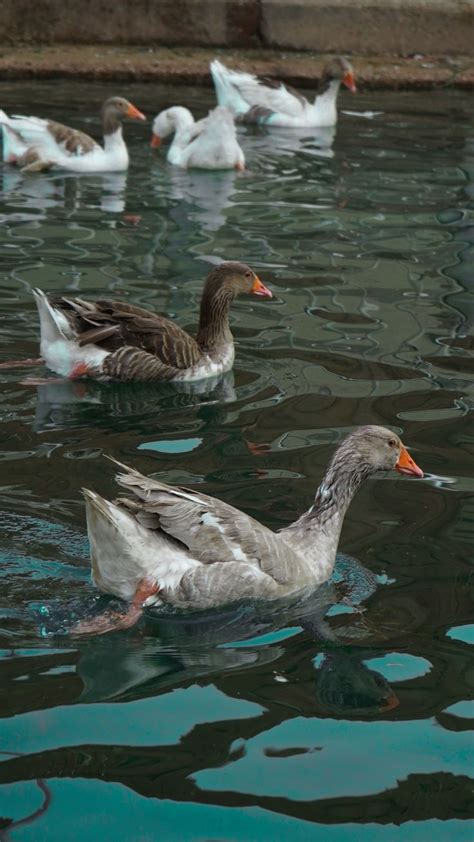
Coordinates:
<point>114,340</point>
<point>272,103</point>
<point>162,544</point>
<point>209,144</point>
<point>35,144</point>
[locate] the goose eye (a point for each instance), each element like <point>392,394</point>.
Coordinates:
<point>392,443</point>
<point>249,275</point>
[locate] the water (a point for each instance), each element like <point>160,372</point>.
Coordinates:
<point>340,719</point>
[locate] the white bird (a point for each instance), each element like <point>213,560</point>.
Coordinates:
<point>37,144</point>
<point>209,144</point>
<point>272,103</point>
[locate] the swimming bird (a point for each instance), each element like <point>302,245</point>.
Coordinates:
<point>162,544</point>
<point>36,144</point>
<point>209,144</point>
<point>116,340</point>
<point>273,103</point>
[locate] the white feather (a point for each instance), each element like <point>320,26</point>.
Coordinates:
<point>241,91</point>
<point>123,551</point>
<point>58,346</point>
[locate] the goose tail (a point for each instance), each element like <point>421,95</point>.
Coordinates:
<point>53,324</point>
<point>118,547</point>
<point>225,93</point>
<point>14,146</point>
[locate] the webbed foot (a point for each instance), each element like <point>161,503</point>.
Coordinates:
<point>111,621</point>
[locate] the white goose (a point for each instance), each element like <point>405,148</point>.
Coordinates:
<point>272,103</point>
<point>164,544</point>
<point>36,144</point>
<point>209,144</point>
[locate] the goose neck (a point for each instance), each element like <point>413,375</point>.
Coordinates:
<point>111,123</point>
<point>333,496</point>
<point>214,329</point>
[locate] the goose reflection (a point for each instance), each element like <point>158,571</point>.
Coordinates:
<point>43,192</point>
<point>176,648</point>
<point>208,194</point>
<point>296,658</point>
<point>63,403</point>
<point>285,142</point>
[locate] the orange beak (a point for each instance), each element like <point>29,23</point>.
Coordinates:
<point>406,465</point>
<point>348,81</point>
<point>134,113</point>
<point>260,289</point>
<point>155,141</point>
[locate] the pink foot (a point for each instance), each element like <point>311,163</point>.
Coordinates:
<point>107,622</point>
<point>21,363</point>
<point>113,621</point>
<point>78,371</point>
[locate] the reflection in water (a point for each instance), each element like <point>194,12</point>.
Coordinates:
<point>69,191</point>
<point>175,648</point>
<point>63,404</point>
<point>348,710</point>
<point>207,195</point>
<point>315,142</point>
<point>347,687</point>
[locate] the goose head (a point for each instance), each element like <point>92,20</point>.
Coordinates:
<point>371,449</point>
<point>232,278</point>
<point>222,285</point>
<point>169,121</point>
<point>363,453</point>
<point>115,110</point>
<point>339,69</point>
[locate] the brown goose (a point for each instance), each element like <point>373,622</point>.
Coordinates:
<point>115,340</point>
<point>36,144</point>
<point>164,544</point>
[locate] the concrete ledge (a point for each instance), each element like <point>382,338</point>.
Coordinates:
<point>168,22</point>
<point>372,27</point>
<point>399,27</point>
<point>190,66</point>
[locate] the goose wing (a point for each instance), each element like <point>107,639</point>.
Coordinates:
<point>266,93</point>
<point>117,324</point>
<point>212,531</point>
<point>52,136</point>
<point>215,145</point>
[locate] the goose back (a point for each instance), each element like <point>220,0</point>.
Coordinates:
<point>115,325</point>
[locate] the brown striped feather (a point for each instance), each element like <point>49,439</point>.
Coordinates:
<point>120,324</point>
<point>73,140</point>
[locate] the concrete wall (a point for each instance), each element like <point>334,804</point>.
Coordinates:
<point>373,27</point>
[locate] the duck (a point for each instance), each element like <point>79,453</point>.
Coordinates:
<point>168,545</point>
<point>113,340</point>
<point>273,103</point>
<point>35,144</point>
<point>209,144</point>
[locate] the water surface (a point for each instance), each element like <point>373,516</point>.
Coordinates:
<point>340,719</point>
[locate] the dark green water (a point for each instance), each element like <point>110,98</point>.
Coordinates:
<point>338,720</point>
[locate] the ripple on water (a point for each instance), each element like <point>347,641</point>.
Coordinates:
<point>365,236</point>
